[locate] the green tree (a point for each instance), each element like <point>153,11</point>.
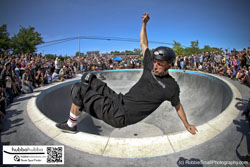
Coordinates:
<point>128,52</point>
<point>50,56</point>
<point>194,48</point>
<point>4,39</point>
<point>206,48</point>
<point>26,40</point>
<point>138,51</point>
<point>214,49</point>
<point>77,54</point>
<point>179,50</point>
<point>62,58</point>
<point>115,52</point>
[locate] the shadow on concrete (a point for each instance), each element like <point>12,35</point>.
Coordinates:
<point>192,162</point>
<point>242,104</point>
<point>9,124</point>
<point>19,100</point>
<point>23,98</point>
<point>243,126</point>
<point>87,125</point>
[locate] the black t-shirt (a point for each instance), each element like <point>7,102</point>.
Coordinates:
<point>149,92</point>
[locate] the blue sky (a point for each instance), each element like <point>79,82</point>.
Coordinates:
<point>218,23</point>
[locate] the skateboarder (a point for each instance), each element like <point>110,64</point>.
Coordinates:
<point>154,87</point>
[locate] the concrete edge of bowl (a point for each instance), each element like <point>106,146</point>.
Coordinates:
<point>134,147</point>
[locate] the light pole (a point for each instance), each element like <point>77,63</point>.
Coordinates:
<point>79,45</point>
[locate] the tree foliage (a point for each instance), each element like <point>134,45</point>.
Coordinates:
<point>26,40</point>
<point>179,50</point>
<point>77,54</point>
<point>193,49</point>
<point>137,51</point>
<point>50,56</point>
<point>4,39</point>
<point>206,48</point>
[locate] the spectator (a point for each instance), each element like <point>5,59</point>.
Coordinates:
<point>1,116</point>
<point>39,78</point>
<point>63,72</point>
<point>234,73</point>
<point>6,82</point>
<point>243,58</point>
<point>248,58</point>
<point>222,69</point>
<point>55,77</point>
<point>48,76</point>
<point>182,63</point>
<point>244,76</point>
<point>1,67</point>
<point>209,68</point>
<point>81,67</point>
<point>15,84</point>
<point>2,102</point>
<point>27,82</point>
<point>17,73</point>
<point>235,61</point>
<point>247,77</point>
<point>57,65</point>
<point>240,74</point>
<point>2,106</point>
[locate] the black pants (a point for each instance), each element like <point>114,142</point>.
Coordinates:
<point>100,101</point>
<point>9,95</point>
<point>2,106</point>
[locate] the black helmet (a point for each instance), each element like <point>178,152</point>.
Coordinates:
<point>164,53</point>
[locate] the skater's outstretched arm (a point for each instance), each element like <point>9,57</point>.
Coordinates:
<point>191,128</point>
<point>143,34</point>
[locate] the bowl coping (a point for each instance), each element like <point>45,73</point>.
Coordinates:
<point>134,147</point>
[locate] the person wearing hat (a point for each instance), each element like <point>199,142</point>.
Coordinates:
<point>154,87</point>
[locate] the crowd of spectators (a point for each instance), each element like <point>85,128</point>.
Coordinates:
<point>21,74</point>
<point>234,64</point>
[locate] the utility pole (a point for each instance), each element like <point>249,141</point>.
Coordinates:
<point>79,45</point>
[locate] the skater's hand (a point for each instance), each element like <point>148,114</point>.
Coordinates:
<point>192,129</point>
<point>145,17</point>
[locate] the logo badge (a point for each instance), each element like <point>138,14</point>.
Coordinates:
<point>156,53</point>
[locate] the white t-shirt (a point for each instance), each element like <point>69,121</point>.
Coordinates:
<point>57,65</point>
<point>49,78</point>
<point>54,76</point>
